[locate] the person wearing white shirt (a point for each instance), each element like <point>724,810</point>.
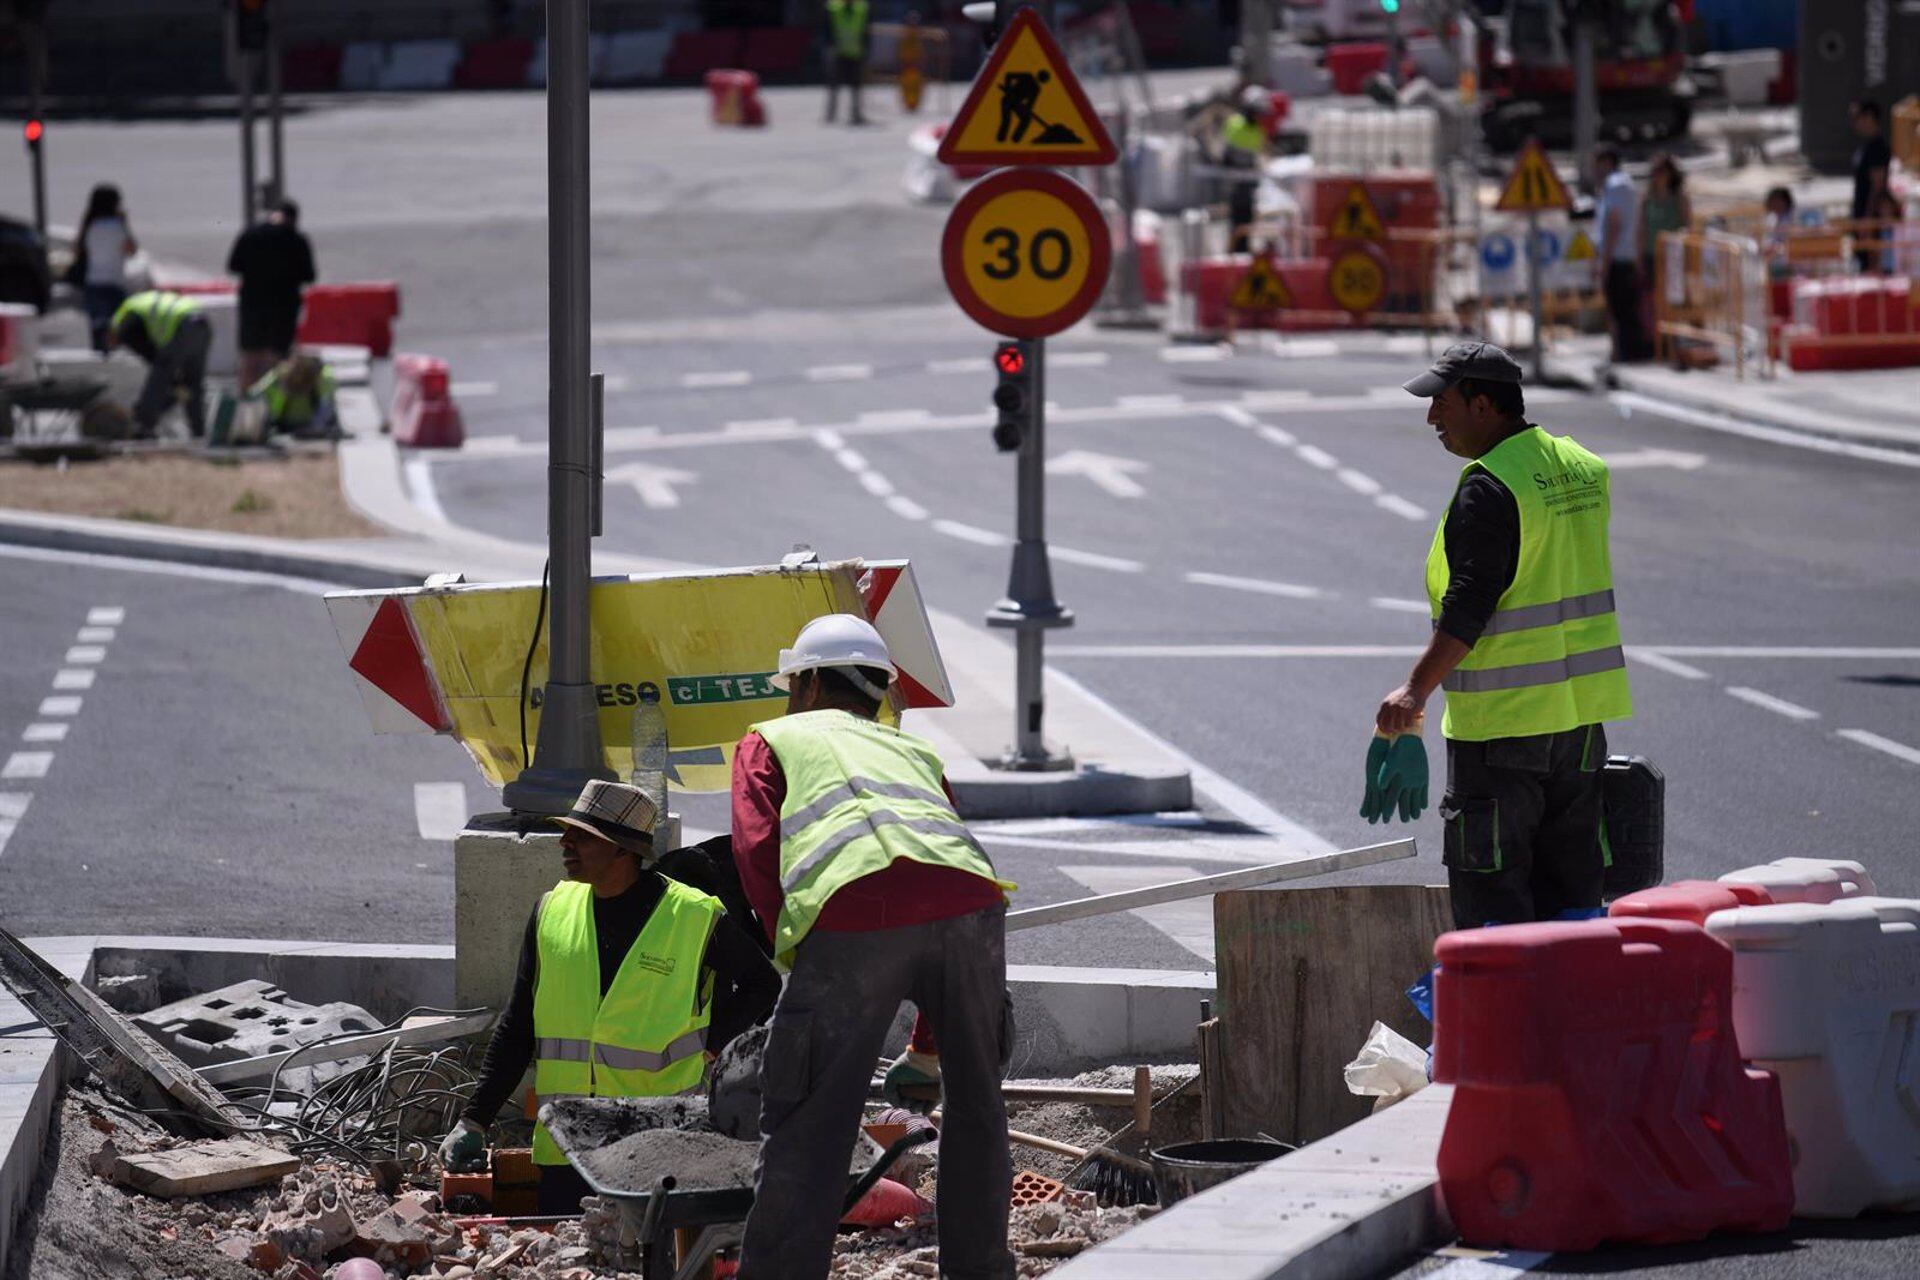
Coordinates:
<point>1616,267</point>
<point>101,249</point>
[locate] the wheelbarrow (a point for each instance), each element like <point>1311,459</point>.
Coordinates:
<point>652,1214</point>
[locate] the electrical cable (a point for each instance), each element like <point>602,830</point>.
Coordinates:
<point>526,668</point>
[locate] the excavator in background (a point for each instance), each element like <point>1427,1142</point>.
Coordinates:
<point>1525,56</point>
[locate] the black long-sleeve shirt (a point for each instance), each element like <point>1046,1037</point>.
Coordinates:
<point>745,986</point>
<point>1482,543</point>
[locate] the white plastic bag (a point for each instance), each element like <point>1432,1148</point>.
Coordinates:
<point>1390,1067</point>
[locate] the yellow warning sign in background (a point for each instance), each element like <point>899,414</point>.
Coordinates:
<point>1027,107</point>
<point>1533,186</point>
<point>1262,288</point>
<point>1357,217</point>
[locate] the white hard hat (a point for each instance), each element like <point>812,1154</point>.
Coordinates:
<point>837,640</point>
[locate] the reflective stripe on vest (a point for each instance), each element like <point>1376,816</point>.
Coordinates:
<point>1549,659</point>
<point>859,796</point>
<point>159,312</point>
<point>647,1036</point>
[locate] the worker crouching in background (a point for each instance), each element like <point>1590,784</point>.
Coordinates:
<point>299,395</point>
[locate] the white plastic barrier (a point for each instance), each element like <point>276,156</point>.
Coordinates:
<point>222,311</point>
<point>1362,140</point>
<point>21,340</point>
<point>361,65</point>
<point>927,180</point>
<point>1827,997</point>
<point>1808,879</point>
<point>420,64</point>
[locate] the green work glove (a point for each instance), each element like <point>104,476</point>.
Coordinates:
<point>911,1069</point>
<point>464,1149</point>
<point>1373,807</point>
<point>1402,777</point>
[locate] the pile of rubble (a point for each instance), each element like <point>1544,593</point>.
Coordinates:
<point>1043,1236</point>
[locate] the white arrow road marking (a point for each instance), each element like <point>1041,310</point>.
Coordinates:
<point>1642,458</point>
<point>440,809</point>
<point>1115,475</point>
<point>657,486</point>
<point>13,807</point>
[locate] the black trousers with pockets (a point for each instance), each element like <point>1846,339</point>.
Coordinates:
<point>1523,826</point>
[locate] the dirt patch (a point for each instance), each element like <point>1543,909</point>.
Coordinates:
<point>295,496</point>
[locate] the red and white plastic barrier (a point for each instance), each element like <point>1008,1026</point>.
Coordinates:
<point>1807,879</point>
<point>357,315</point>
<point>734,98</point>
<point>1689,900</point>
<point>423,415</point>
<point>1853,322</point>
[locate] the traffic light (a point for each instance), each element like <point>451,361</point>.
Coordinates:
<point>1010,395</point>
<point>250,25</point>
<point>33,131</point>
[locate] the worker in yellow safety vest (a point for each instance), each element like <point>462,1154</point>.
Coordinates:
<point>167,331</point>
<point>628,984</point>
<point>1244,145</point>
<point>847,31</point>
<point>1527,646</point>
<point>873,891</point>
<point>299,397</point>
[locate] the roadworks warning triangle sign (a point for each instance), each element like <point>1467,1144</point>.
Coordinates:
<point>1533,186</point>
<point>1357,218</point>
<point>1027,107</point>
<point>1581,250</point>
<point>1261,289</point>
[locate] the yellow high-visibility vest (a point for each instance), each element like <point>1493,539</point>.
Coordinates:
<point>847,19</point>
<point>159,311</point>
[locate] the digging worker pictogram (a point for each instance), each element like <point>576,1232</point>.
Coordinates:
<point>874,892</point>
<point>628,984</point>
<point>1527,646</point>
<point>1019,98</point>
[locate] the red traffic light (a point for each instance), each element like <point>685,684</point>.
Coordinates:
<point>1009,359</point>
<point>33,131</point>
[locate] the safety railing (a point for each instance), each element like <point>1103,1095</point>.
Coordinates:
<point>1711,290</point>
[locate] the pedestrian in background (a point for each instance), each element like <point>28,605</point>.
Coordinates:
<point>1870,164</point>
<point>1617,264</point>
<point>847,30</point>
<point>1527,646</point>
<point>1665,208</point>
<point>274,262</point>
<point>100,251</point>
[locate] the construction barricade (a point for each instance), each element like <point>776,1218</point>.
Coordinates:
<point>1712,302</point>
<point>734,98</point>
<point>1807,879</point>
<point>1857,322</point>
<point>423,415</point>
<point>1827,998</point>
<point>355,315</point>
<point>1598,1091</point>
<point>1689,900</point>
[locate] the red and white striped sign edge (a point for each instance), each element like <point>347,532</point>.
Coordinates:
<point>899,613</point>
<point>388,664</point>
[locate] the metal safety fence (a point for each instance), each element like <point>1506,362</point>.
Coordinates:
<point>1710,292</point>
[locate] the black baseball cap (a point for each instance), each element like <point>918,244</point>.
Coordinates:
<point>1479,360</point>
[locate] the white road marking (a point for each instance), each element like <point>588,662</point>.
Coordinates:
<point>1077,359</point>
<point>171,569</point>
<point>1399,605</point>
<point>1188,923</point>
<point>61,705</point>
<point>1358,481</point>
<point>440,809</point>
<point>839,372</point>
<point>1844,652</point>
<point>27,764</point>
<point>106,616</point>
<point>971,533</point>
<point>1511,1263</point>
<point>906,508</point>
<point>894,417</point>
<point>494,444</point>
<point>1260,586</point>
<point>850,459</point>
<point>876,484</point>
<point>87,654</point>
<point>658,487</point>
<point>1278,435</point>
<point>1303,348</point>
<point>1243,851</point>
<point>1278,398</point>
<point>1094,560</point>
<point>1108,472</point>
<point>46,731</point>
<point>723,378</point>
<point>1399,506</point>
<point>473,388</point>
<point>95,635</point>
<point>417,473</point>
<point>1898,750</point>
<point>73,678</point>
<point>1632,400</point>
<point>1661,662</point>
<point>1150,402</point>
<point>964,364</point>
<point>1640,459</point>
<point>1235,650</point>
<point>13,807</point>
<point>762,424</point>
<point>1212,354</point>
<point>1051,826</point>
<point>1314,455</point>
<point>829,439</point>
<point>1767,702</point>
<point>621,437</point>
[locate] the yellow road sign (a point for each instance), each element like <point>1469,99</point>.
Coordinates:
<point>1357,218</point>
<point>1533,186</point>
<point>1357,279</point>
<point>1026,107</point>
<point>1261,289</point>
<point>1026,252</point>
<point>1581,250</point>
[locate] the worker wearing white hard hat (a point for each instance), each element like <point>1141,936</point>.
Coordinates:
<point>872,891</point>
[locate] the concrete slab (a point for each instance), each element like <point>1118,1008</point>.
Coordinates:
<point>499,872</point>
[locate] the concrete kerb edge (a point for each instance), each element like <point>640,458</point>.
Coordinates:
<point>1071,1018</point>
<point>1627,378</point>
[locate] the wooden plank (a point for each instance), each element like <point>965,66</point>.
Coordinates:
<point>1212,1086</point>
<point>202,1168</point>
<point>1303,975</point>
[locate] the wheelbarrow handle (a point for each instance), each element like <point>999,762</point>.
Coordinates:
<point>899,1147</point>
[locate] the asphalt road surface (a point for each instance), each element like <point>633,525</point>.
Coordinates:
<point>1240,533</point>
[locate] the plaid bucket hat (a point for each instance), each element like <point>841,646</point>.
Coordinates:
<point>615,811</point>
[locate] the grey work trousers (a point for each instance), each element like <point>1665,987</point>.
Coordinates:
<point>181,363</point>
<point>827,1031</point>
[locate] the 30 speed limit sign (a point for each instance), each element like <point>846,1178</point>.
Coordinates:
<point>1026,253</point>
